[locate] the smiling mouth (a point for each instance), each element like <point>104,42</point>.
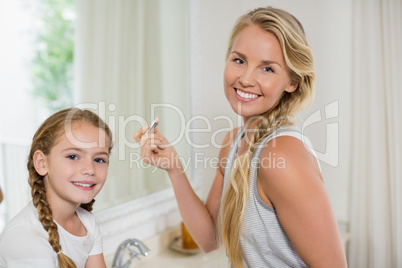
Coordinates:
<point>246,96</point>
<point>84,184</point>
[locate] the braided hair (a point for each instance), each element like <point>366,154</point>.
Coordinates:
<point>44,140</point>
<point>298,57</point>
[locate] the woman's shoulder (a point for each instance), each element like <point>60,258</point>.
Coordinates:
<point>231,134</point>
<point>292,148</point>
<point>286,166</point>
<point>226,145</point>
<point>229,138</point>
<point>289,142</point>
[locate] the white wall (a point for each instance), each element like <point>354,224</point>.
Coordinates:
<point>328,28</point>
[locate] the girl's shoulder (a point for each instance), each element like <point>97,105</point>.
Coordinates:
<point>27,218</point>
<point>86,217</point>
<point>84,212</point>
<point>25,233</point>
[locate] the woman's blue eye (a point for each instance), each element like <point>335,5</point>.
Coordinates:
<point>268,69</point>
<point>238,61</point>
<point>72,157</point>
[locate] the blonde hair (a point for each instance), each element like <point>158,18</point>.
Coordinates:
<point>44,140</point>
<point>299,59</point>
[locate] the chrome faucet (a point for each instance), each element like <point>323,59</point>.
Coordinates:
<point>129,245</point>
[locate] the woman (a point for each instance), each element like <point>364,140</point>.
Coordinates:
<point>267,215</point>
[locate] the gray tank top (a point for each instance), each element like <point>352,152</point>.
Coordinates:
<point>263,240</point>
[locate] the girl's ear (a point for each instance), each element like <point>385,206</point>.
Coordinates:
<point>39,162</point>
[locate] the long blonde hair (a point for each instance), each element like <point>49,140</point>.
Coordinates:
<point>299,59</point>
<point>44,140</point>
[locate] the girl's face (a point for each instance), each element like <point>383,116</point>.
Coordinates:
<point>77,165</point>
<point>256,74</point>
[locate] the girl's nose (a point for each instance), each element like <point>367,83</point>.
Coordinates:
<point>88,167</point>
<point>247,78</point>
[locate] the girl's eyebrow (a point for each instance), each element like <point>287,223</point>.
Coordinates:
<point>102,153</point>
<point>73,149</point>
<point>81,150</point>
<point>264,62</point>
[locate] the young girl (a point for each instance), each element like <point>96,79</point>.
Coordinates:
<point>268,215</point>
<point>67,167</point>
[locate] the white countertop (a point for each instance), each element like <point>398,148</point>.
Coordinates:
<point>162,256</point>
<point>169,258</point>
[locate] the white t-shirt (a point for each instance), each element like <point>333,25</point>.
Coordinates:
<point>24,241</point>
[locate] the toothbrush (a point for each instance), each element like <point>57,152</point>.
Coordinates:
<point>153,126</point>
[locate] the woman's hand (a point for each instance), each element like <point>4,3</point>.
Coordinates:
<point>156,150</point>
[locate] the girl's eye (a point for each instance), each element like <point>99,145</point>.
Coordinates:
<point>268,69</point>
<point>72,157</point>
<point>100,160</point>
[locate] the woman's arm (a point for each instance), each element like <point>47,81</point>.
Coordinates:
<point>296,190</point>
<point>96,261</point>
<point>200,219</point>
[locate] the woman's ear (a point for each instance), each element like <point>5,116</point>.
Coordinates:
<point>292,87</point>
<point>39,162</point>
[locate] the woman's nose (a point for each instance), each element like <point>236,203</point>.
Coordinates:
<point>247,78</point>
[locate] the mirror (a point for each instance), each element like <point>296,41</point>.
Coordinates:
<point>130,66</point>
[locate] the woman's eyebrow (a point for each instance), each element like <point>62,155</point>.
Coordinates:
<point>264,62</point>
<point>239,53</point>
<point>268,62</point>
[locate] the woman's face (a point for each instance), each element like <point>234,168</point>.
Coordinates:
<point>256,74</point>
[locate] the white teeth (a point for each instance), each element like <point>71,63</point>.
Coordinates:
<point>82,184</point>
<point>246,95</point>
